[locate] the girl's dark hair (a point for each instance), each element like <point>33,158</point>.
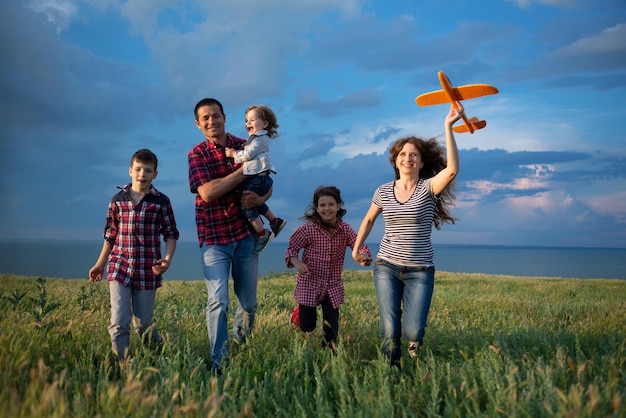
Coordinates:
<point>311,215</point>
<point>432,155</point>
<point>145,156</point>
<point>268,116</point>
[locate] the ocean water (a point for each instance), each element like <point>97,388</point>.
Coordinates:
<point>72,260</point>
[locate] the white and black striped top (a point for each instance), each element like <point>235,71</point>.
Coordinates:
<point>408,225</point>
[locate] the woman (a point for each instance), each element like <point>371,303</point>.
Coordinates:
<point>418,198</point>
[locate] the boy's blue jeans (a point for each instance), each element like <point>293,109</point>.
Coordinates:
<point>217,263</point>
<point>402,291</point>
<point>260,184</point>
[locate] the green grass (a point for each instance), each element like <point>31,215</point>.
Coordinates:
<point>495,346</point>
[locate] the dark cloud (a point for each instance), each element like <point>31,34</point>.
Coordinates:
<point>595,57</point>
<point>309,100</point>
<point>400,45</point>
<point>67,87</point>
<point>320,146</point>
<point>72,112</point>
<point>502,165</point>
<point>385,135</point>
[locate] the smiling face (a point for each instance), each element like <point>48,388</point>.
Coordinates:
<point>327,207</point>
<point>142,175</point>
<point>409,160</point>
<point>211,121</point>
<point>254,123</point>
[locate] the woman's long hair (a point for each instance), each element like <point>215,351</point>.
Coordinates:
<point>432,155</point>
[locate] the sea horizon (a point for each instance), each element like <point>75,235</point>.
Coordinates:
<point>276,241</point>
<point>73,258</point>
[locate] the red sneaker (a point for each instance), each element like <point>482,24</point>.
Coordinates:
<point>295,318</point>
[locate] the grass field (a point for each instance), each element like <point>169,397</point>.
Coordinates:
<point>495,346</point>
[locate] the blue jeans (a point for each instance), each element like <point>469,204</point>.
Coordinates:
<point>259,184</point>
<point>217,263</point>
<point>399,290</point>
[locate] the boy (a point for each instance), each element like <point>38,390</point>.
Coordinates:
<point>136,216</point>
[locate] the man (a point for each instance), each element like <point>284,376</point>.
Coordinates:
<point>224,235</point>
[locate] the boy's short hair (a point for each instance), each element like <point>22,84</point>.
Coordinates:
<point>145,156</point>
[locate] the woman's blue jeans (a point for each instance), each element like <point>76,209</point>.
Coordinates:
<point>402,291</point>
<point>217,263</point>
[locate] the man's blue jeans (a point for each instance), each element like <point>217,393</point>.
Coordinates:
<point>217,263</point>
<point>402,290</point>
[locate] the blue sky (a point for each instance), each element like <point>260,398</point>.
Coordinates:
<point>86,83</point>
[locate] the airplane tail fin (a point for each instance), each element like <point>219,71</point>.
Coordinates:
<point>475,124</point>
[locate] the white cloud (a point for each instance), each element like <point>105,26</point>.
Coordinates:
<point>60,12</point>
<point>144,14</point>
<point>610,204</point>
<point>609,41</point>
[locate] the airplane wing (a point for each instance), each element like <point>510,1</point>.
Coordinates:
<point>469,91</point>
<point>432,98</point>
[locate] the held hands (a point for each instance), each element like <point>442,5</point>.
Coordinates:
<point>161,266</point>
<point>362,258</point>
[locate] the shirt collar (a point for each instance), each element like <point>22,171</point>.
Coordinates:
<point>232,140</point>
<point>152,189</point>
<point>259,133</point>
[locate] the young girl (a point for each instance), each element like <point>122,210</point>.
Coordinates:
<point>324,238</point>
<point>261,124</point>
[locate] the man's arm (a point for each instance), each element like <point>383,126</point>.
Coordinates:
<point>216,188</point>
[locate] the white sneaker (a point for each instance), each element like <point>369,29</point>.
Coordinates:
<point>413,348</point>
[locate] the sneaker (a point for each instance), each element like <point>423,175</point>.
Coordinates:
<point>295,319</point>
<point>414,347</point>
<point>263,242</point>
<point>277,225</point>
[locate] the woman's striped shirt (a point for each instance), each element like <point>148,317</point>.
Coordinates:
<point>408,225</point>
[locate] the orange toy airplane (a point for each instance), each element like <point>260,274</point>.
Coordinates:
<point>453,94</point>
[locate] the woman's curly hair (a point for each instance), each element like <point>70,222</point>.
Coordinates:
<point>432,155</point>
